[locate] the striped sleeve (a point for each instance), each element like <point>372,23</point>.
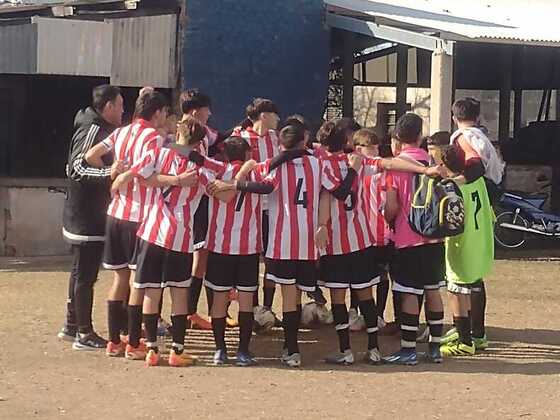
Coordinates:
<point>372,166</point>
<point>80,170</point>
<point>328,180</point>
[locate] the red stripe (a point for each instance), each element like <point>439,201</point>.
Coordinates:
<point>228,224</point>
<point>345,243</point>
<point>213,222</point>
<point>269,147</point>
<point>355,216</point>
<point>311,208</point>
<point>245,224</point>
<point>277,239</point>
<point>258,216</point>
<point>367,207</point>
<point>154,229</point>
<point>293,211</point>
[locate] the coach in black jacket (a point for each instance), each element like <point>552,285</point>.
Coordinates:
<point>85,212</point>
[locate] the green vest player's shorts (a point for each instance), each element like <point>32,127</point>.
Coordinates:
<point>470,255</point>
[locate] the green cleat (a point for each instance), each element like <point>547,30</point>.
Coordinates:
<point>457,349</point>
<point>450,336</point>
<point>480,343</point>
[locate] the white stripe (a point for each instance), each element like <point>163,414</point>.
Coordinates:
<point>83,238</point>
<point>181,284</point>
<point>247,289</point>
<point>405,343</point>
<point>435,339</point>
<point>339,327</point>
<point>403,289</point>
<point>306,288</point>
<point>409,327</point>
<point>216,287</point>
<point>336,285</point>
<point>280,280</point>
<point>132,266</point>
<point>435,322</point>
<point>370,283</point>
<point>372,330</point>
<point>115,267</point>
<point>147,285</point>
<point>199,245</point>
<point>433,286</point>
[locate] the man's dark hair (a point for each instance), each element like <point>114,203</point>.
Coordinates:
<point>292,135</point>
<point>103,94</point>
<point>466,109</point>
<point>454,158</point>
<point>408,128</point>
<point>190,131</point>
<point>296,117</point>
<point>258,106</point>
<point>332,136</point>
<point>236,148</point>
<point>148,104</point>
<point>439,139</point>
<point>193,99</point>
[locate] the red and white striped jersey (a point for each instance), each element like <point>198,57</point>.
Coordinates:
<point>130,144</point>
<point>262,147</point>
<point>348,228</point>
<point>293,209</point>
<point>169,217</point>
<point>235,227</point>
<point>375,197</point>
<point>209,140</point>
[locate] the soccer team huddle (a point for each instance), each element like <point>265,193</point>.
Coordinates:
<point>318,212</point>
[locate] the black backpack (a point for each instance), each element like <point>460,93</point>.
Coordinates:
<point>437,209</point>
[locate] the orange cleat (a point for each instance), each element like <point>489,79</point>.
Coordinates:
<point>199,323</point>
<point>115,350</point>
<point>152,358</point>
<point>181,360</point>
<point>135,353</point>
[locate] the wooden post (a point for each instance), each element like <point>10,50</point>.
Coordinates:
<point>506,53</point>
<point>348,75</point>
<point>402,78</point>
<point>441,91</point>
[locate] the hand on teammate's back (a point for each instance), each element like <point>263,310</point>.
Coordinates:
<point>118,167</point>
<point>355,161</point>
<point>188,179</point>
<point>219,186</point>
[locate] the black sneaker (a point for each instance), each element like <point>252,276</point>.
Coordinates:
<point>68,333</point>
<point>317,296</point>
<point>89,342</point>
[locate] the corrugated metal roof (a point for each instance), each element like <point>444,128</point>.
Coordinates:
<point>519,21</point>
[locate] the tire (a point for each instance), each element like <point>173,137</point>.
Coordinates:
<point>510,238</point>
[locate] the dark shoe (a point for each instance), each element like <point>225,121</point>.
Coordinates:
<point>317,296</point>
<point>68,333</point>
<point>89,342</point>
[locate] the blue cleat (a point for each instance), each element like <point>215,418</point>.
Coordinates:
<point>403,357</point>
<point>245,359</point>
<point>220,357</point>
<point>434,354</point>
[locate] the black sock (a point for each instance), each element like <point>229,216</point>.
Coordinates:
<point>409,330</point>
<point>435,323</point>
<point>291,327</point>
<point>124,318</point>
<point>341,325</point>
<point>245,330</point>
<point>478,309</point>
<point>464,329</point>
<point>150,323</point>
<point>369,310</point>
<point>219,330</point>
<point>268,296</point>
<point>397,299</point>
<point>255,299</point>
<point>178,328</point>
<point>134,324</point>
<point>299,308</point>
<point>209,299</point>
<point>381,295</point>
<point>194,296</point>
<point>354,302</point>
<point>114,320</point>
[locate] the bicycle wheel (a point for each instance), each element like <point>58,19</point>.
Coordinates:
<point>506,236</point>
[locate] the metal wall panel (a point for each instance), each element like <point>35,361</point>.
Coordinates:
<point>72,47</point>
<point>144,51</point>
<point>18,44</point>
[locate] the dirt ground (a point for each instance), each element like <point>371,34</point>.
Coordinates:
<point>43,378</point>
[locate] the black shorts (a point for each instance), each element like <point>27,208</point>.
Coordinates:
<point>302,273</point>
<point>264,232</point>
<point>357,270</point>
<point>159,267</point>
<point>120,244</point>
<point>200,224</point>
<point>385,255</point>
<point>419,268</point>
<point>225,272</point>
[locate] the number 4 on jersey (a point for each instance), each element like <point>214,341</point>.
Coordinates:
<point>301,196</point>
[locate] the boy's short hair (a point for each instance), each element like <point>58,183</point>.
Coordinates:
<point>439,139</point>
<point>191,130</point>
<point>332,136</point>
<point>365,137</point>
<point>296,117</point>
<point>192,99</point>
<point>236,148</point>
<point>258,106</point>
<point>466,109</point>
<point>347,124</point>
<point>148,104</point>
<point>408,128</point>
<point>292,135</point>
<point>454,158</point>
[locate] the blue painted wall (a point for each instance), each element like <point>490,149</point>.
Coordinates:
<point>236,50</point>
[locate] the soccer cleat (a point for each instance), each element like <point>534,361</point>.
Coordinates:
<point>457,349</point>
<point>373,357</point>
<point>181,359</point>
<point>403,357</point>
<point>231,323</point>
<point>89,342</point>
<point>135,353</point>
<point>341,358</point>
<point>115,350</point>
<point>291,360</point>
<point>245,359</point>
<point>450,336</point>
<point>220,357</point>
<point>317,296</point>
<point>152,358</point>
<point>68,334</point>
<point>434,354</point>
<point>422,337</point>
<point>480,343</point>
<point>199,323</point>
